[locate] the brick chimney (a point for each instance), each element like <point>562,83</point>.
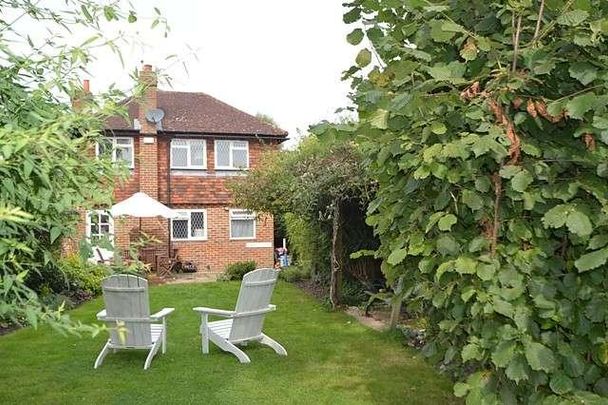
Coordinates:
<point>148,142</point>
<point>81,96</point>
<point>147,78</point>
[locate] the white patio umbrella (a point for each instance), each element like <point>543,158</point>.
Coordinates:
<point>141,205</point>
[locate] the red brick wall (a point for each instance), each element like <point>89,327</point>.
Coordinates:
<point>208,192</point>
<point>213,254</point>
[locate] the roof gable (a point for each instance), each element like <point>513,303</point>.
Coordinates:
<point>198,113</point>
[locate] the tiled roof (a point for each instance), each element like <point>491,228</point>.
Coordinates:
<point>199,113</point>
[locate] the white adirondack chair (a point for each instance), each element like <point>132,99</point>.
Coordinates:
<point>244,324</point>
<point>127,312</point>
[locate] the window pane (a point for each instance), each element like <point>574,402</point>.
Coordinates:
<point>105,229</point>
<point>104,147</point>
<point>180,228</point>
<point>179,142</point>
<point>239,158</point>
<point>197,224</point>
<point>239,144</point>
<point>241,228</point>
<point>94,229</point>
<point>197,153</point>
<point>105,218</point>
<point>124,141</point>
<point>179,157</point>
<point>222,153</point>
<point>123,154</point>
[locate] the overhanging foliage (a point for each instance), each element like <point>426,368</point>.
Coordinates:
<point>485,125</point>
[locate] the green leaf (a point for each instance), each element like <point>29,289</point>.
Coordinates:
<point>438,128</point>
<point>132,17</point>
<point>591,260</point>
<point>472,200</point>
<point>583,72</point>
<point>446,245</point>
<point>509,171</point>
<point>364,57</point>
<point>579,223</point>
<point>465,265</point>
<point>560,383</point>
<point>379,119</point>
<point>600,122</point>
<point>517,369</point>
<point>502,307</point>
<point>504,353</point>
<point>469,50</point>
<point>598,241</point>
<point>540,357</point>
<point>352,15</point>
<point>521,181</point>
<point>556,217</point>
<point>471,352</point>
<point>486,271</point>
<point>572,18</point>
<point>397,256</point>
<point>461,389</point>
<point>446,222</point>
<point>54,234</point>
<point>438,34</point>
<point>355,37</point>
<point>578,106</point>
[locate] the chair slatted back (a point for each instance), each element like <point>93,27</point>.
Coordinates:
<point>126,299</point>
<point>255,294</point>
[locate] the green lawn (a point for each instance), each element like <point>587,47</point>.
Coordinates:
<point>331,359</point>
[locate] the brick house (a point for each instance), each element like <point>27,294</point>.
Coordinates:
<point>184,161</point>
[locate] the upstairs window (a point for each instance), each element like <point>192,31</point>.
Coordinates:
<point>190,225</point>
<point>119,149</point>
<point>188,154</point>
<point>242,224</point>
<point>231,155</point>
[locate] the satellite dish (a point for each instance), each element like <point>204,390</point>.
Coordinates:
<point>155,115</point>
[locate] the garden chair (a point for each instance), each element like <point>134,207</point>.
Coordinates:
<point>127,314</point>
<point>244,324</point>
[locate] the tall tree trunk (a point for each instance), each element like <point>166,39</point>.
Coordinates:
<point>336,257</point>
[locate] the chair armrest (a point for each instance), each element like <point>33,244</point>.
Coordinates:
<point>101,315</point>
<point>213,311</point>
<point>162,313</point>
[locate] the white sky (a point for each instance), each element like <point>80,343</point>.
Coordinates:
<point>276,57</point>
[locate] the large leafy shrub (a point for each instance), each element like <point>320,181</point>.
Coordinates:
<point>485,125</point>
<point>316,183</point>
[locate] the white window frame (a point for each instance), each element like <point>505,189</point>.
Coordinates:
<point>244,217</point>
<point>231,148</point>
<point>189,219</point>
<point>188,147</point>
<point>107,254</point>
<point>113,142</point>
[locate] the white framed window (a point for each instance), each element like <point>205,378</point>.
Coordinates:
<point>120,149</point>
<point>242,224</point>
<point>190,225</point>
<point>231,155</point>
<point>188,154</point>
<point>100,231</point>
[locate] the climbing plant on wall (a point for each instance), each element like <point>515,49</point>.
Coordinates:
<point>485,125</point>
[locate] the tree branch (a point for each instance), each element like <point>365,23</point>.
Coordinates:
<point>539,20</point>
<point>516,44</point>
